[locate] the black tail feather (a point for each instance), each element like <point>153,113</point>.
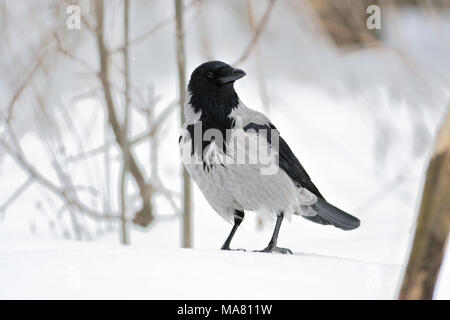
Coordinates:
<point>329,214</point>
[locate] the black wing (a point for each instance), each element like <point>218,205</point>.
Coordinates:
<point>326,213</point>
<point>287,160</point>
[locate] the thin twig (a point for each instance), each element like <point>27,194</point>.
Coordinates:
<point>156,124</point>
<point>71,56</point>
<point>24,186</point>
<point>39,178</point>
<point>22,87</point>
<point>259,29</point>
<point>259,66</point>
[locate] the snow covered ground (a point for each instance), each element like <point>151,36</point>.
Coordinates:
<point>89,272</point>
<point>41,268</point>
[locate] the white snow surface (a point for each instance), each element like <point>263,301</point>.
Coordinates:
<point>39,268</point>
<point>87,272</point>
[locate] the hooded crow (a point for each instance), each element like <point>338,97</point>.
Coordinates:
<point>240,162</point>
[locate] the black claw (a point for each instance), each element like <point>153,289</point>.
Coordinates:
<point>282,250</point>
<point>275,249</point>
<point>229,249</point>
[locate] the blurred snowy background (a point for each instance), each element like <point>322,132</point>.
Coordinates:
<point>360,108</point>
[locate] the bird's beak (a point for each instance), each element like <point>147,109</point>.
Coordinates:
<point>233,76</point>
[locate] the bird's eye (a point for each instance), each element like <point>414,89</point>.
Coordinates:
<point>210,74</point>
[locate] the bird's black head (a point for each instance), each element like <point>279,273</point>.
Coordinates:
<point>211,88</point>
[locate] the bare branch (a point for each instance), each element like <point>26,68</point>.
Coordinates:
<point>34,174</point>
<point>91,153</point>
<point>145,214</point>
<point>259,65</point>
<point>259,29</point>
<point>125,164</point>
<point>24,186</point>
<point>22,87</point>
<point>156,125</point>
<point>181,62</point>
<point>71,56</point>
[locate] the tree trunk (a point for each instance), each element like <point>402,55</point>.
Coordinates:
<point>433,224</point>
<point>145,215</point>
<point>186,224</point>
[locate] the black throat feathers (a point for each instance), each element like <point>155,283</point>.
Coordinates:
<point>215,107</point>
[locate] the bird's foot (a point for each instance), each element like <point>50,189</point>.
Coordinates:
<point>229,249</point>
<point>271,249</point>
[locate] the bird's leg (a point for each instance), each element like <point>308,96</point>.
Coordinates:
<point>272,246</point>
<point>238,217</point>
